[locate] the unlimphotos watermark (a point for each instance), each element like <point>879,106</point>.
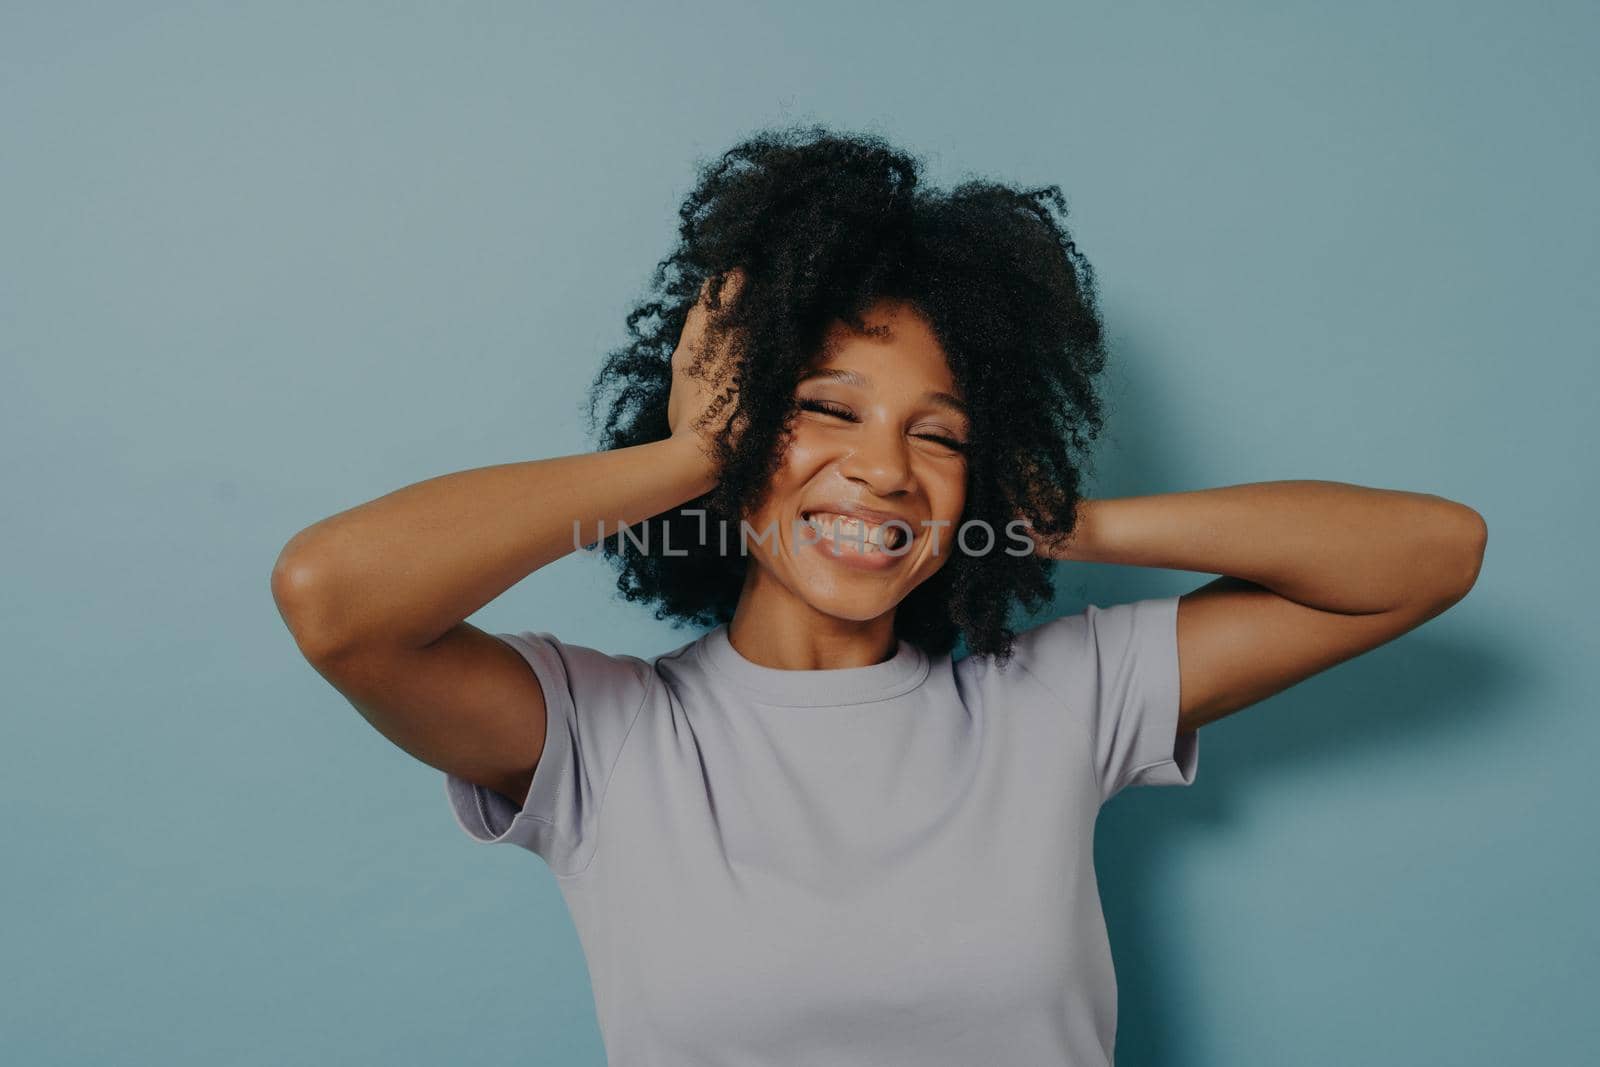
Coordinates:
<point>894,537</point>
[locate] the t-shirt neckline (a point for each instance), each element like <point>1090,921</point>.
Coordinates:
<point>834,687</point>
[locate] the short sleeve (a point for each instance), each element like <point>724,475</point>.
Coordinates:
<point>591,701</point>
<point>1118,668</point>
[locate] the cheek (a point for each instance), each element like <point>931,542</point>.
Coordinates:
<point>803,456</point>
<point>788,482</point>
<point>803,450</point>
<point>947,490</point>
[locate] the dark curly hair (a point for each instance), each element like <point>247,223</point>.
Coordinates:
<point>823,225</point>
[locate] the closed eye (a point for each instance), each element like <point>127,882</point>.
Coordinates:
<point>948,442</point>
<point>828,408</point>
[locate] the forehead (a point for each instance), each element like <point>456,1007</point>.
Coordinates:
<point>900,346</point>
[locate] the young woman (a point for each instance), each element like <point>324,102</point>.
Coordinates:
<point>850,434</point>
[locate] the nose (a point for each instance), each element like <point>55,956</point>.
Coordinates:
<point>880,460</point>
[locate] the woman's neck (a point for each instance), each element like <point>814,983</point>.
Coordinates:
<point>775,628</point>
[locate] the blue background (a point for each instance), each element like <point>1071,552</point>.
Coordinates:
<point>266,261</point>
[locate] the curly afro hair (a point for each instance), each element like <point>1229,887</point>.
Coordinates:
<point>823,225</point>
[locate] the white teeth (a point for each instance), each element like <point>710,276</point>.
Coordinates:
<point>872,538</point>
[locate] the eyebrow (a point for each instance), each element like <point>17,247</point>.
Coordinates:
<point>850,377</point>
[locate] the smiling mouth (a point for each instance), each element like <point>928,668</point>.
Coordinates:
<point>858,533</point>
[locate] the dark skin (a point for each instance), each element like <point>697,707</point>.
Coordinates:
<point>1313,573</point>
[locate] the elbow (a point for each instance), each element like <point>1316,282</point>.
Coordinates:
<point>1469,539</point>
<point>299,591</point>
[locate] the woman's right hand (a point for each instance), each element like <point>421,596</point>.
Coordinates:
<point>693,390</point>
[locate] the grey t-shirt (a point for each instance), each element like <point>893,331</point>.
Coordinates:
<point>865,867</point>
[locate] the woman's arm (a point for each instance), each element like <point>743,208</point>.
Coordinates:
<point>377,596</point>
<point>1327,545</point>
<point>1313,573</point>
<point>403,569</point>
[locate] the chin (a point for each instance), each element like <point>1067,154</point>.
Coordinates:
<point>849,609</point>
<point>854,600</point>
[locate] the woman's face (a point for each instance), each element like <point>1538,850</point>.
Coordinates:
<point>880,429</point>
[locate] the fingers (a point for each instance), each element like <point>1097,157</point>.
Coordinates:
<point>732,283</point>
